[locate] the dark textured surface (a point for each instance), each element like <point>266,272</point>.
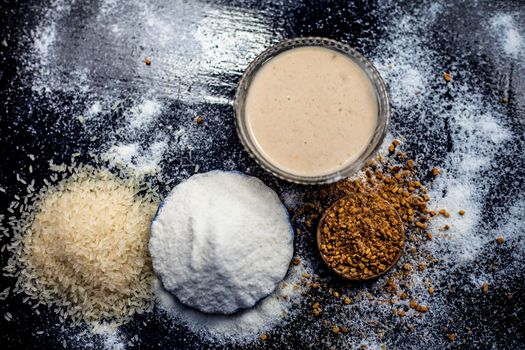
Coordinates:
<point>44,125</point>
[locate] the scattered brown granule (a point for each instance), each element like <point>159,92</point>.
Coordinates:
<point>422,266</point>
<point>451,337</point>
<point>411,328</point>
<point>360,236</point>
<point>445,228</point>
<point>407,267</point>
<point>421,224</point>
<point>391,148</point>
<point>336,294</point>
<point>430,290</point>
<point>435,171</point>
<point>336,329</point>
<point>264,337</point>
<point>444,213</point>
<point>347,301</point>
<point>147,60</point>
<point>422,308</point>
<point>401,155</point>
<point>429,236</point>
<point>485,288</point>
<point>296,261</point>
<point>461,212</point>
<point>505,99</point>
<point>404,295</point>
<point>410,164</point>
<point>447,76</point>
<point>413,304</point>
<point>500,240</point>
<point>315,285</point>
<point>401,312</point>
<point>298,231</point>
<point>390,285</point>
<point>306,275</point>
<point>344,329</point>
<point>199,120</point>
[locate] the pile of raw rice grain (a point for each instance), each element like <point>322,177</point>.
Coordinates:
<point>81,247</point>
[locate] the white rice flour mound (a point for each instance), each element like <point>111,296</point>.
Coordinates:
<point>221,242</point>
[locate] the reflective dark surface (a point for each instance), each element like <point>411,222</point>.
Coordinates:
<point>58,60</point>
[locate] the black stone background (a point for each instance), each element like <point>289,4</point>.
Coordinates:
<point>496,321</point>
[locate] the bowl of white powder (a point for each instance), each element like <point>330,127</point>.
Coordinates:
<point>221,242</point>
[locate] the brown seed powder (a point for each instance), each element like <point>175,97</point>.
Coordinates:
<point>361,236</point>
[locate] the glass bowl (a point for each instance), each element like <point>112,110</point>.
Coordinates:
<point>250,144</point>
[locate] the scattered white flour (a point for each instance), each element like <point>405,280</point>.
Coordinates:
<point>221,241</point>
<point>507,31</point>
<point>95,108</point>
<point>192,45</point>
<point>476,136</point>
<point>143,114</point>
<point>143,161</point>
<point>396,58</point>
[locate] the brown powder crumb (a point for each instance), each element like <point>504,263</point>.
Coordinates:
<point>422,308</point>
<point>429,236</point>
<point>336,329</point>
<point>435,171</point>
<point>296,261</point>
<point>147,60</point>
<point>407,267</point>
<point>485,288</point>
<point>413,304</point>
<point>264,337</point>
<point>461,212</point>
<point>451,337</point>
<point>316,309</point>
<point>401,312</point>
<point>336,294</point>
<point>421,225</point>
<point>199,120</point>
<point>422,266</point>
<point>447,76</point>
<point>430,290</point>
<point>444,213</point>
<point>500,240</point>
<point>445,228</point>
<point>347,301</point>
<point>404,296</point>
<point>344,329</point>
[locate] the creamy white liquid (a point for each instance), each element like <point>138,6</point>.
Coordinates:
<point>311,111</point>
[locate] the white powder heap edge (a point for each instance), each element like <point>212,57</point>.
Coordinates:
<point>221,242</point>
<point>245,326</point>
